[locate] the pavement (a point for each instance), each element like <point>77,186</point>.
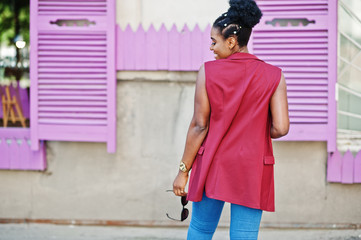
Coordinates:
<point>73,232</point>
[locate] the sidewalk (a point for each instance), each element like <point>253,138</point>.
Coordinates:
<point>70,232</point>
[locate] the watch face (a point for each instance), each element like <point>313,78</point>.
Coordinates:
<point>182,167</point>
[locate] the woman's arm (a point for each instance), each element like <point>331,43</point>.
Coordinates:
<point>196,133</point>
<point>279,111</point>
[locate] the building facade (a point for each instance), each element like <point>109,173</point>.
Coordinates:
<point>112,87</point>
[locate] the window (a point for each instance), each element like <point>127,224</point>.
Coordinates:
<point>73,83</point>
<point>344,165</point>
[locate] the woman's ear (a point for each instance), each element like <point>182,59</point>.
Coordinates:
<point>232,42</point>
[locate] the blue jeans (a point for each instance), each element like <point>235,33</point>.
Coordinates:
<point>205,217</point>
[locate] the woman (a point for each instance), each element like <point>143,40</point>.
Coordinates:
<point>240,104</point>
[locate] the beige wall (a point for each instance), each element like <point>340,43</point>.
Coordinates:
<point>169,12</point>
<point>84,182</point>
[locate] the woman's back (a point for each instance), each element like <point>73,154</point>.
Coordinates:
<point>239,89</point>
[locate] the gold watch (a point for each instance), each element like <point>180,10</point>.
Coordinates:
<point>183,167</point>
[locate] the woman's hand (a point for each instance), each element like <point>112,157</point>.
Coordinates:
<point>180,183</point>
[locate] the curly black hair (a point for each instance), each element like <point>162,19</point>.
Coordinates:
<point>239,20</point>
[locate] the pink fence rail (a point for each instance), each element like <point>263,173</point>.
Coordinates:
<point>15,151</point>
<point>154,50</point>
<point>344,169</point>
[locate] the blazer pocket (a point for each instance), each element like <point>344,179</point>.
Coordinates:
<point>269,160</point>
<point>201,150</point>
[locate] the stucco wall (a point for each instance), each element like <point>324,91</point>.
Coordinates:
<point>169,12</point>
<point>84,182</point>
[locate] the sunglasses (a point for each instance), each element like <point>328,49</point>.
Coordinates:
<point>185,211</point>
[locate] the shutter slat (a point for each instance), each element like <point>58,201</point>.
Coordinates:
<point>74,93</point>
<point>69,64</point>
<point>285,2</point>
<point>50,70</point>
<point>75,38</point>
<point>73,42</point>
<point>285,12</point>
<point>63,4</point>
<point>308,107</point>
<point>70,12</point>
<point>314,58</point>
<point>308,120</point>
<point>308,113</point>
<point>277,7</point>
<point>289,63</point>
<point>67,76</point>
<point>289,40</point>
<point>62,59</point>
<point>75,48</point>
<point>299,94</point>
<point>308,69</point>
<point>85,109</point>
<point>67,7</point>
<point>74,81</point>
<point>79,1</point>
<point>282,51</point>
<point>302,101</point>
<point>310,45</point>
<point>291,34</point>
<point>294,8</point>
<point>71,98</point>
<point>308,88</point>
<point>305,75</point>
<point>308,82</point>
<point>72,103</point>
<point>72,87</point>
<point>72,115</point>
<point>72,121</point>
<point>67,53</point>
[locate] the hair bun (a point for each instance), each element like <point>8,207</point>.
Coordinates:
<point>244,12</point>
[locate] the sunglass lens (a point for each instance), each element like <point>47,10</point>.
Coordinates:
<point>184,200</point>
<point>184,214</point>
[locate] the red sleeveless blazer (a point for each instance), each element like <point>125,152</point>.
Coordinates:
<point>235,162</point>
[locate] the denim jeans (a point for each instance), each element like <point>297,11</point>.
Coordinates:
<point>205,217</point>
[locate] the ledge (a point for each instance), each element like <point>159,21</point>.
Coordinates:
<point>157,76</point>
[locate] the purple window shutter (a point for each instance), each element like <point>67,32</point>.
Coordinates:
<point>73,81</point>
<point>300,38</point>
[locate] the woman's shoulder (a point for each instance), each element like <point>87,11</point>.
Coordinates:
<point>216,62</point>
<point>213,64</point>
<point>270,67</point>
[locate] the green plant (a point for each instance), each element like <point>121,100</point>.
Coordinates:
<point>14,21</point>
